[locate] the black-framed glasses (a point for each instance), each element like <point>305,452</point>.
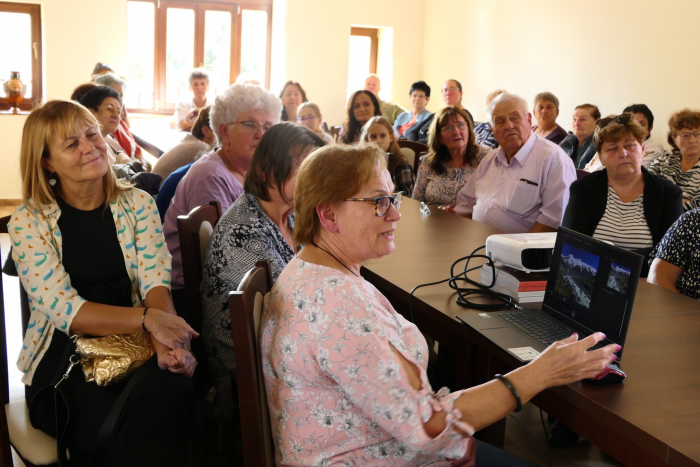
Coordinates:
<point>252,126</point>
<point>623,119</point>
<point>383,203</point>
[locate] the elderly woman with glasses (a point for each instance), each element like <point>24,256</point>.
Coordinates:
<point>452,157</point>
<point>623,203</point>
<point>682,165</point>
<point>105,104</point>
<point>345,374</point>
<point>239,117</point>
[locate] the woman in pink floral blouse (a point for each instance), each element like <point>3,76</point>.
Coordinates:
<point>345,374</point>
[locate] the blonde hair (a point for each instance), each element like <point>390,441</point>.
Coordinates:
<point>314,108</point>
<point>329,175</point>
<point>397,156</point>
<point>54,119</point>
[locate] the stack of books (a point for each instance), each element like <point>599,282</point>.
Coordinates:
<point>522,286</point>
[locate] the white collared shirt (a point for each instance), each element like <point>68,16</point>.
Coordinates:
<point>533,188</point>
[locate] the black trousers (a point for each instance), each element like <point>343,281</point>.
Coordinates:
<point>154,425</point>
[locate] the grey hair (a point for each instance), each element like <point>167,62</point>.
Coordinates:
<point>240,98</point>
<point>198,73</point>
<point>548,96</point>
<point>505,97</point>
<point>108,79</point>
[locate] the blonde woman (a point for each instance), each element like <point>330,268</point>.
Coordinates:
<point>91,255</point>
<point>309,115</point>
<point>378,130</point>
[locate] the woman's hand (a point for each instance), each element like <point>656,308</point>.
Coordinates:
<point>177,361</point>
<point>569,360</point>
<point>170,330</point>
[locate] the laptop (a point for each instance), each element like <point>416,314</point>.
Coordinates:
<point>590,288</point>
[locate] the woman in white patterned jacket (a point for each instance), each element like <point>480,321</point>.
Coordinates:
<point>90,253</point>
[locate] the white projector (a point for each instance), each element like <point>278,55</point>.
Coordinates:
<point>529,252</point>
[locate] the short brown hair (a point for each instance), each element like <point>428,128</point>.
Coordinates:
<point>592,109</point>
<point>437,152</point>
<point>275,157</point>
<point>202,120</point>
<point>686,118</point>
<point>327,176</point>
<point>614,132</point>
<point>81,90</point>
<point>54,118</point>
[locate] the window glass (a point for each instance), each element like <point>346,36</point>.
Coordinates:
<point>254,45</point>
<point>16,29</point>
<point>217,49</point>
<point>358,67</point>
<point>140,51</point>
<point>179,54</point>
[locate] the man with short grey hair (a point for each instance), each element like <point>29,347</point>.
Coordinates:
<point>522,186</point>
<point>389,110</point>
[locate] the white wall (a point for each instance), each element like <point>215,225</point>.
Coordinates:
<point>314,49</point>
<point>607,53</point>
<point>73,43</point>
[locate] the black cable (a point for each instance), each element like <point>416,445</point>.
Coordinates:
<point>546,439</point>
<point>464,292</point>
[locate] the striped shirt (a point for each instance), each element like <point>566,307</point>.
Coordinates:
<point>624,224</point>
<point>669,166</point>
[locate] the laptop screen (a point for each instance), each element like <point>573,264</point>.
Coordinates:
<point>592,284</point>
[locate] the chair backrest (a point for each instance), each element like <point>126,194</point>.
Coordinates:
<point>194,230</point>
<point>580,173</point>
<point>245,307</point>
<point>417,148</point>
<point>335,132</point>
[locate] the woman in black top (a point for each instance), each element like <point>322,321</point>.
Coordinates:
<point>579,144</point>
<point>602,204</point>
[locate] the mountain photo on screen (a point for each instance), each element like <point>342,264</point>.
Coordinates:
<point>619,277</point>
<point>576,275</point>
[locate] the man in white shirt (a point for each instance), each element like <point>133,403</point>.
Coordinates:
<point>186,111</point>
<point>389,110</point>
<point>523,185</point>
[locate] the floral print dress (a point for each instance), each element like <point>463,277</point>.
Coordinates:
<point>337,392</point>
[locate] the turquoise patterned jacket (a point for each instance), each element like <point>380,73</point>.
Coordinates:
<point>54,303</point>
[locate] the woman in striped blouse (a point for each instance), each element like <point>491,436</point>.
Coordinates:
<point>682,166</point>
<point>623,203</point>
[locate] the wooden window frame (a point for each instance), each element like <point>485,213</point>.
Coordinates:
<point>373,34</point>
<point>34,11</point>
<point>200,6</point>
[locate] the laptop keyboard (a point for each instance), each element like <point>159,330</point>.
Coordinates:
<point>536,326</point>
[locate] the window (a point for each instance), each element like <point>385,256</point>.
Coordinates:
<point>167,38</point>
<point>364,44</point>
<point>20,50</point>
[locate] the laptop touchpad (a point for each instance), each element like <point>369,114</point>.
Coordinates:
<point>509,338</point>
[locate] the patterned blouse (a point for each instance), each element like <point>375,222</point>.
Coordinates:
<point>338,394</point>
<point>37,247</point>
<point>243,236</point>
<point>681,247</point>
<point>669,166</point>
<point>439,189</point>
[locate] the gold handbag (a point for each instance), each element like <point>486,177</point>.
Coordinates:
<point>108,360</point>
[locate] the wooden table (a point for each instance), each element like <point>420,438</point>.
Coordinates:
<point>653,418</point>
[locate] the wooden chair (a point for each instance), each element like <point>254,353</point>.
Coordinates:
<point>335,132</point>
<point>194,230</point>
<point>34,447</point>
<point>245,307</point>
<point>417,148</point>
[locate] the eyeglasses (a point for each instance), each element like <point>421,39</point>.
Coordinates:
<point>449,128</point>
<point>251,126</point>
<point>686,136</point>
<point>452,89</point>
<point>383,203</point>
<point>623,119</point>
<point>306,119</point>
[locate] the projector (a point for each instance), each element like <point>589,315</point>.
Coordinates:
<point>529,252</point>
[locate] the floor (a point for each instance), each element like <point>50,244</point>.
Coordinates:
<point>524,434</point>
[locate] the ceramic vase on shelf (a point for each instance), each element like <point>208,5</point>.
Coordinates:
<point>15,90</point>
